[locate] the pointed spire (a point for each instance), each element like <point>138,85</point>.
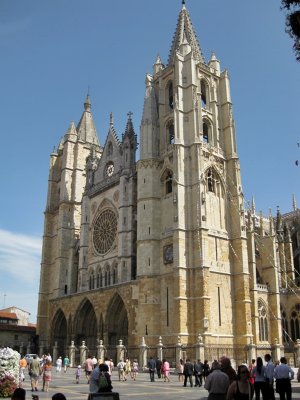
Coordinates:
<point>87,103</point>
<point>71,130</point>
<point>253,205</point>
<point>86,127</point>
<point>214,63</point>
<point>271,222</point>
<point>111,119</point>
<point>261,223</point>
<point>294,202</point>
<point>185,27</point>
<point>129,130</point>
<point>158,65</point>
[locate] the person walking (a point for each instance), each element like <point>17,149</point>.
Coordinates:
<point>78,373</point>
<point>180,367</point>
<point>198,371</point>
<point>206,369</point>
<point>135,369</point>
<point>241,389</point>
<point>66,363</point>
<point>269,377</point>
<point>121,366</point>
<point>260,383</point>
<point>34,373</point>
<point>58,364</point>
<point>165,369</point>
<point>217,383</point>
<point>152,368</point>
<point>227,368</point>
<point>283,375</point>
<point>188,371</point>
<point>158,367</point>
<point>47,374</point>
<point>88,368</point>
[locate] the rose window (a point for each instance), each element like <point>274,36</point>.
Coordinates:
<point>105,231</point>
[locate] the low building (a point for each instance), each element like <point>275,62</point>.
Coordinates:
<point>15,330</point>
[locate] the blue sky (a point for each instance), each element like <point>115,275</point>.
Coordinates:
<point>53,51</point>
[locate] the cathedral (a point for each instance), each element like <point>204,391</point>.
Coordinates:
<point>164,249</point>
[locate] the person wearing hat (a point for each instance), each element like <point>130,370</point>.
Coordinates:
<point>216,383</point>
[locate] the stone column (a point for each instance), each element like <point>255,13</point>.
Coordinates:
<point>72,350</point>
<point>143,359</point>
<point>83,350</point>
<point>251,353</point>
<point>100,351</point>
<point>41,348</point>
<point>277,351</point>
<point>200,348</point>
<point>120,351</point>
<point>28,347</point>
<point>159,348</point>
<point>297,346</point>
<point>178,350</point>
<point>55,352</point>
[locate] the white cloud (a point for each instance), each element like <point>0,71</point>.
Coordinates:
<point>20,257</point>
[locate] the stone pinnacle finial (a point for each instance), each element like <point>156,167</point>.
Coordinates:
<point>129,115</point>
<point>87,103</point>
<point>111,119</point>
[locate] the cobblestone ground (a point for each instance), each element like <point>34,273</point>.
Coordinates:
<point>141,389</point>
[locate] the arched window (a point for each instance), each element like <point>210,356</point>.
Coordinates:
<point>169,182</point>
<point>204,93</point>
<point>263,322</point>
<point>114,276</point>
<point>284,326</point>
<point>210,180</point>
<point>91,281</point>
<point>206,131</point>
<point>109,149</point>
<point>100,280</point>
<point>295,331</point>
<point>106,278</point>
<point>170,95</point>
<point>170,133</point>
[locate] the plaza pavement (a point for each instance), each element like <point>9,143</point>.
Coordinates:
<point>141,389</point>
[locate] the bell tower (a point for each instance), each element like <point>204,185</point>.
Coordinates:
<point>190,199</point>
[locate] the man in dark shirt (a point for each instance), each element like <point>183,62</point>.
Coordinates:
<point>198,371</point>
<point>158,367</point>
<point>152,368</point>
<point>227,368</point>
<point>188,371</point>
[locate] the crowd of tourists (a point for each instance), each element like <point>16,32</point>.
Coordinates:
<point>260,379</point>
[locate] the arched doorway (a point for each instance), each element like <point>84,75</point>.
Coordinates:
<point>117,322</point>
<point>86,326</point>
<point>60,331</point>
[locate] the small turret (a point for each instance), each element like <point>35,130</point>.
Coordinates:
<point>86,127</point>
<point>214,63</point>
<point>158,65</point>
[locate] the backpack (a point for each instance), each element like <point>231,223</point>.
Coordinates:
<point>103,384</point>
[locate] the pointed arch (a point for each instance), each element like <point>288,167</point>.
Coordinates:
<point>117,321</point>
<point>263,321</point>
<point>86,325</point>
<point>167,180</point>
<point>204,88</point>
<point>60,329</point>
<point>170,132</point>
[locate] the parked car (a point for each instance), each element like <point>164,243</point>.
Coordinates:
<point>29,357</point>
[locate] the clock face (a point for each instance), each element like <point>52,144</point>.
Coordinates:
<point>168,254</point>
<point>109,170</point>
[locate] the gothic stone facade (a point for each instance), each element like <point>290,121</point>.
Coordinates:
<point>162,246</point>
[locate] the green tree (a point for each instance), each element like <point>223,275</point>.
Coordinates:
<point>292,22</point>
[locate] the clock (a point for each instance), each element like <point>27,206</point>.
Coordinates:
<point>109,169</point>
<point>168,254</point>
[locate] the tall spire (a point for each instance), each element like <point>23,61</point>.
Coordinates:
<point>294,203</point>
<point>86,127</point>
<point>185,28</point>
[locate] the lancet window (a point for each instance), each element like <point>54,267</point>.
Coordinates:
<point>295,326</point>
<point>263,322</point>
